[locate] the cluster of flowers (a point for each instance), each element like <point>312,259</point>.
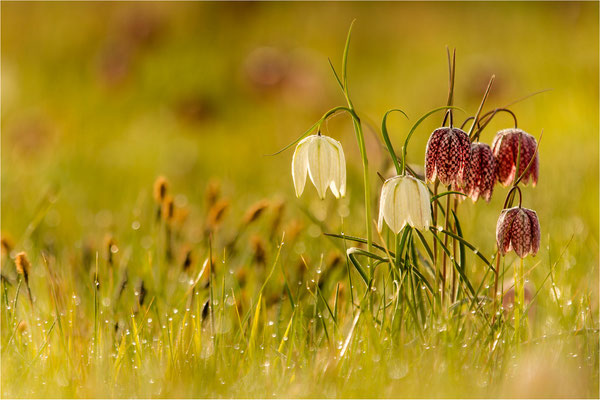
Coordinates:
<point>450,158</point>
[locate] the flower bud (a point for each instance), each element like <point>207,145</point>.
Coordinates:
<point>447,156</point>
<point>518,229</point>
<point>506,150</point>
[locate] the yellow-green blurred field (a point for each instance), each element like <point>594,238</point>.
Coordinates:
<point>99,99</point>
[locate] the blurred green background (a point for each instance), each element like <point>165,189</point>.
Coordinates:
<point>100,98</point>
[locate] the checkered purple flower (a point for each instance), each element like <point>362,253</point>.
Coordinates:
<point>447,156</point>
<point>518,229</point>
<point>506,150</point>
<point>481,175</point>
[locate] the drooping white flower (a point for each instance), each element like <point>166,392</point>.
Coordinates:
<point>404,200</point>
<point>323,159</point>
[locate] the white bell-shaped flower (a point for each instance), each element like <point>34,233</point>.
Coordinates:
<point>404,200</point>
<point>323,158</point>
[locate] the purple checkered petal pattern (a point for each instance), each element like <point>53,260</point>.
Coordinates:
<point>481,175</point>
<point>505,148</point>
<point>447,156</point>
<point>518,229</point>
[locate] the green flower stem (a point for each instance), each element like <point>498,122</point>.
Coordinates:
<point>517,303</point>
<point>366,182</point>
<point>521,299</point>
<point>495,294</point>
<point>444,256</point>
<point>360,137</point>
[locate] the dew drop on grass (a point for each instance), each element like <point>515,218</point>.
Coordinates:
<point>397,369</point>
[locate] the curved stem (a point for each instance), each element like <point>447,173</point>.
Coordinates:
<point>490,115</point>
<point>388,142</point>
<point>508,196</point>
<point>465,121</point>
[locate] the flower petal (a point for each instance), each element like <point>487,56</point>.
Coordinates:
<point>503,229</point>
<point>520,233</point>
<point>392,211</point>
<point>319,164</point>
<point>410,196</point>
<point>425,205</point>
<point>338,165</point>
<point>535,230</point>
<point>385,189</point>
<point>300,165</point>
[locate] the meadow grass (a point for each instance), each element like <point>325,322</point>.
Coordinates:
<point>164,262</point>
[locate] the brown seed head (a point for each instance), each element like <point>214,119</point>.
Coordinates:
<point>258,248</point>
<point>141,290</point>
<point>217,213</point>
<point>23,265</point>
<point>22,327</point>
<point>187,258</point>
<point>213,192</point>
<point>241,276</point>
<point>293,229</point>
<point>481,175</point>
<point>333,260</point>
<point>279,208</point>
<point>6,244</point>
<point>168,208</point>
<point>255,211</point>
<point>506,150</point>
<point>447,156</point>
<point>110,248</point>
<point>518,229</point>
<point>161,187</point>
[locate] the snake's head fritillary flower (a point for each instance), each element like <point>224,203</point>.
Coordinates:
<point>323,159</point>
<point>404,200</point>
<point>481,175</point>
<point>518,229</point>
<point>447,156</point>
<point>506,150</point>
